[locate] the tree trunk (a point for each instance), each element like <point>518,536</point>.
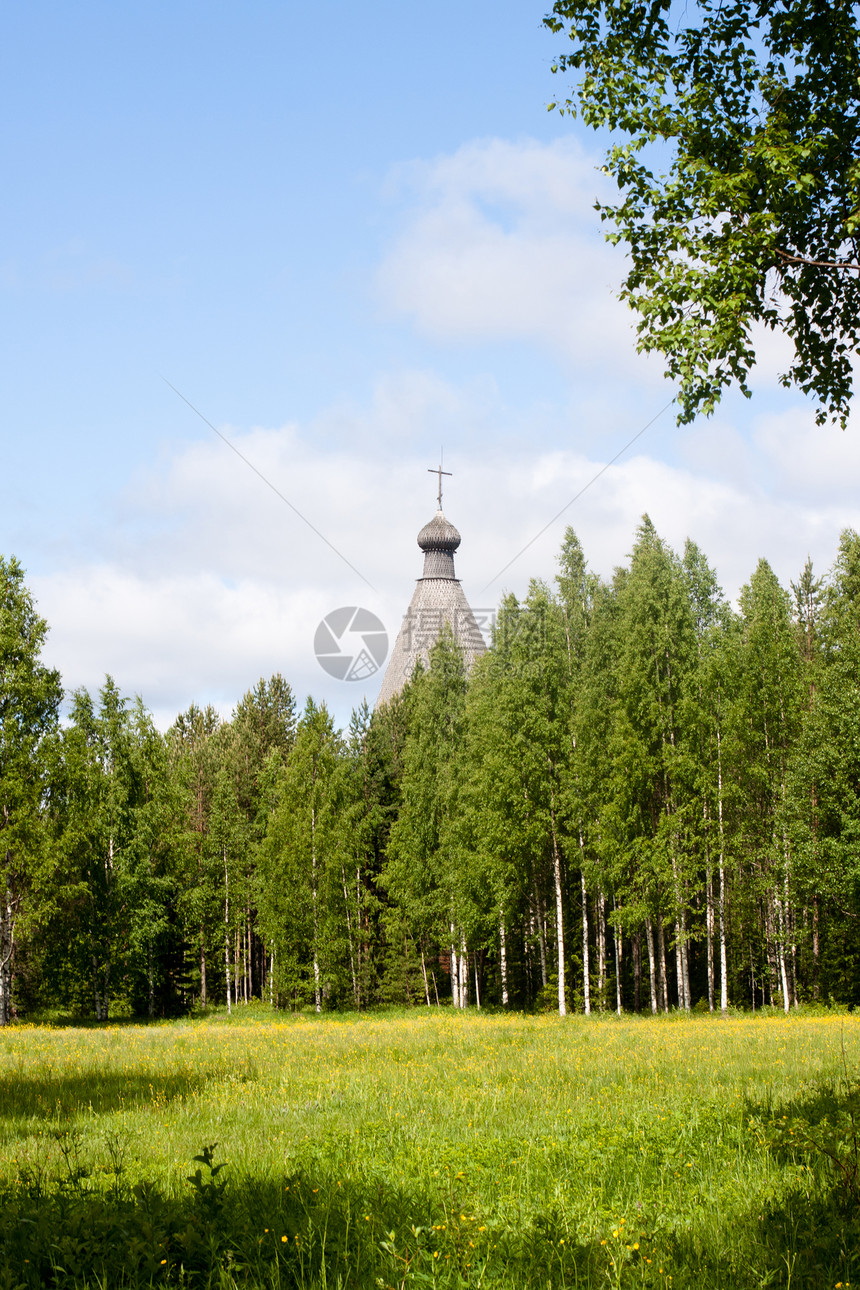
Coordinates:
<point>249,958</point>
<point>237,966</point>
<point>349,943</point>
<point>559,915</point>
<point>637,971</point>
<point>616,936</point>
<point>752,977</point>
<point>424,974</point>
<point>601,950</point>
<point>649,939</point>
<point>317,995</point>
<point>709,920</point>
<point>7,944</point>
<point>783,975</point>
<point>724,967</point>
<point>503,962</point>
<point>227,930</point>
<point>586,975</point>
<point>661,967</point>
<point>541,942</point>
<point>455,979</point>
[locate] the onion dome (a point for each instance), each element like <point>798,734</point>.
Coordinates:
<point>439,535</point>
<point>439,540</point>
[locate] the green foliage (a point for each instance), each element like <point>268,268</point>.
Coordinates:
<point>739,129</point>
<point>29,701</point>
<point>422,874</point>
<point>637,798</point>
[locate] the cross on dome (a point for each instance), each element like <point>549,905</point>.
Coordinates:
<point>437,470</point>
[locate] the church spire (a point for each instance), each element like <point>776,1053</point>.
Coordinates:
<point>438,599</point>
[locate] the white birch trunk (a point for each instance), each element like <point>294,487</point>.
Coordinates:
<point>652,975</point>
<point>455,983</point>
<point>780,916</point>
<point>503,962</point>
<point>663,977</point>
<point>586,974</point>
<point>601,949</point>
<point>237,977</point>
<point>724,967</point>
<point>426,984</point>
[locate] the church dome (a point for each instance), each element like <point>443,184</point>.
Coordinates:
<point>439,535</point>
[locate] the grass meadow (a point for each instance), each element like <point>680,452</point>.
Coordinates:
<point>431,1149</point>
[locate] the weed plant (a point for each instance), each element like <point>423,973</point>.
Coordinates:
<point>431,1149</point>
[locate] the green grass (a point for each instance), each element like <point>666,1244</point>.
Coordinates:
<point>431,1149</point>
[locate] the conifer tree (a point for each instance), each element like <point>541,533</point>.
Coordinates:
<point>655,641</point>
<point>422,873</point>
<point>30,695</point>
<point>768,691</point>
<point>194,752</point>
<point>825,772</point>
<point>301,862</point>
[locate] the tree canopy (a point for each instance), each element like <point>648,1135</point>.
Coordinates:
<point>738,160</point>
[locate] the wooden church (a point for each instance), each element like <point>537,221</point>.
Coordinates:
<point>438,599</point>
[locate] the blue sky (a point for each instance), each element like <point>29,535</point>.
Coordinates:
<point>348,235</point>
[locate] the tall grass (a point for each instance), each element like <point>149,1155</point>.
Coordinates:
<point>431,1148</point>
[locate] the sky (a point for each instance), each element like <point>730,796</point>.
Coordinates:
<point>261,265</point>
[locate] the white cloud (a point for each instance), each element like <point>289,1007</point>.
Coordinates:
<point>822,461</point>
<point>501,242</point>
<point>214,582</point>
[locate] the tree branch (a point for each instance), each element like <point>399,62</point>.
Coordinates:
<point>817,264</point>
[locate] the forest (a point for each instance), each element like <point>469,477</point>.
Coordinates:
<point>641,799</point>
